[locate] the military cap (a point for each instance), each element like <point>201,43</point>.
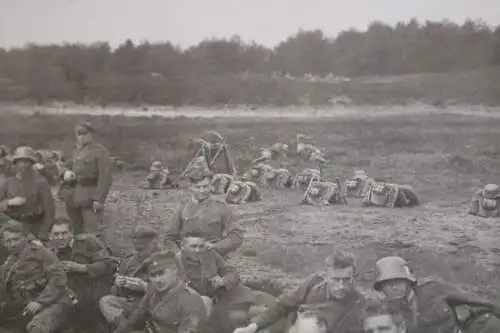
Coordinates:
<point>85,127</point>
<point>144,232</point>
<point>196,233</point>
<point>161,261</point>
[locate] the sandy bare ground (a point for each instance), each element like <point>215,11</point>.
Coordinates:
<point>299,113</point>
<point>445,157</point>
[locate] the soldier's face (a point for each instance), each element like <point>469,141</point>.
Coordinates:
<point>144,247</point>
<point>23,165</point>
<point>194,246</point>
<point>164,279</point>
<point>395,289</point>
<point>82,136</point>
<point>381,324</point>
<point>201,189</point>
<point>14,242</point>
<point>340,281</point>
<point>60,235</point>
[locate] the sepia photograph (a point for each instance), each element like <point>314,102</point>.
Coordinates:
<point>249,166</point>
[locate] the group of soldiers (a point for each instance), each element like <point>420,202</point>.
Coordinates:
<point>59,273</point>
<point>263,173</point>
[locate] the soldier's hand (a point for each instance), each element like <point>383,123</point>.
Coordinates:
<point>97,206</point>
<point>69,176</point>
<point>120,281</point>
<point>32,308</point>
<point>70,266</point>
<point>39,166</point>
<point>135,284</point>
<point>17,201</point>
<point>217,281</point>
<point>252,328</point>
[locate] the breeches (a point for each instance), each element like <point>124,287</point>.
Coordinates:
<point>48,320</point>
<point>85,220</point>
<point>113,307</point>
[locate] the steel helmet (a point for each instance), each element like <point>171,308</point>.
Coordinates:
<point>24,153</point>
<point>491,191</point>
<point>390,268</point>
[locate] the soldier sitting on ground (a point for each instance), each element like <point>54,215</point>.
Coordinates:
<point>322,193</point>
<point>303,178</point>
<point>486,202</point>
<point>334,287</point>
<point>267,176</point>
<point>33,295</point>
<point>221,182</point>
<point>131,278</point>
<point>241,192</point>
<point>272,153</point>
<point>424,304</point>
<point>202,212</point>
<point>26,196</point>
<point>309,152</point>
<point>390,195</point>
<point>358,185</point>
<point>169,304</point>
<point>159,176</point>
<point>89,267</point>
<point>210,275</point>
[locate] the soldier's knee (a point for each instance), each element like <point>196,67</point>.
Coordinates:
<point>208,304</point>
<point>40,324</point>
<point>105,302</point>
<point>238,316</point>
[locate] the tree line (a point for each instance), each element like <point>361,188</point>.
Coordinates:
<point>225,71</point>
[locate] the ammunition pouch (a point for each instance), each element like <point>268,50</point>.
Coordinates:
<point>87,181</point>
<point>20,214</point>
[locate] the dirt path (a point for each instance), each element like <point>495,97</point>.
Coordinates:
<point>299,113</point>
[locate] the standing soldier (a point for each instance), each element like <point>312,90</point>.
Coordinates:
<point>205,214</point>
<point>87,178</point>
<point>335,287</point>
<point>169,305</point>
<point>131,280</point>
<point>89,268</point>
<point>32,285</point>
<point>424,304</point>
<point>26,196</point>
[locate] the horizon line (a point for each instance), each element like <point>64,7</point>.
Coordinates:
<point>247,41</point>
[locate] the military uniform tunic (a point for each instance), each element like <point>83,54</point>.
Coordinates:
<point>88,250</point>
<point>38,213</point>
<point>431,314</point>
<point>93,168</point>
<point>34,275</point>
<point>343,316</point>
<point>178,309</point>
<point>212,218</point>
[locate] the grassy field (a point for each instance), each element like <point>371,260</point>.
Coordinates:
<point>444,157</point>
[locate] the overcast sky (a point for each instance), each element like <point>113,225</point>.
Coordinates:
<point>186,22</point>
